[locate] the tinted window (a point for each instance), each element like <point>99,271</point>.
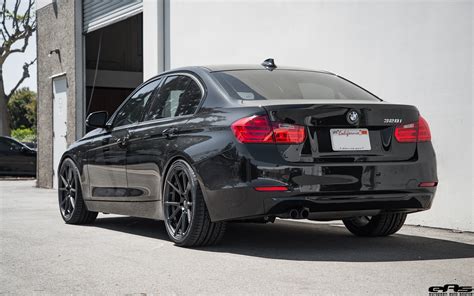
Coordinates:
<point>179,95</point>
<point>289,85</point>
<point>132,111</point>
<point>4,147</point>
<point>9,145</point>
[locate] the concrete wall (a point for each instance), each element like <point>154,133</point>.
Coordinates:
<point>415,52</point>
<point>56,30</point>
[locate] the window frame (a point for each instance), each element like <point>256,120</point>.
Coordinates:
<point>111,122</point>
<point>164,77</point>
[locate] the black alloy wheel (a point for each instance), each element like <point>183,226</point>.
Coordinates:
<point>186,217</point>
<point>71,205</point>
<point>380,225</point>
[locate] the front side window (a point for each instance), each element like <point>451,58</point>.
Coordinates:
<point>179,95</point>
<point>133,109</point>
<point>289,85</point>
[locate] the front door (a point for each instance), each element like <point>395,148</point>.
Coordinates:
<point>107,166</point>
<point>107,159</point>
<point>59,123</point>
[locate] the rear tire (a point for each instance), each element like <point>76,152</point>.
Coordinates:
<point>380,225</point>
<point>71,204</point>
<point>187,219</point>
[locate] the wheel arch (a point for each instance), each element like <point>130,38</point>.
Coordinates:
<point>191,162</point>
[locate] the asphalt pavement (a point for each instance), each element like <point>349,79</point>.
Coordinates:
<point>40,254</point>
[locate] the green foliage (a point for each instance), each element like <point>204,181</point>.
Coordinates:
<point>22,108</point>
<point>24,134</point>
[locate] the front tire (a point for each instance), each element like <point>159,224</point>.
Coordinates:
<point>71,204</point>
<point>379,225</point>
<point>186,216</point>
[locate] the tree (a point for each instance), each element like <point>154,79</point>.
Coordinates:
<point>22,109</point>
<point>15,31</point>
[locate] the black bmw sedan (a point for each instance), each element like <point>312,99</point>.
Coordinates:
<point>198,147</point>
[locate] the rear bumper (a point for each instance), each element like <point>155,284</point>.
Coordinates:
<point>329,191</point>
<point>246,203</point>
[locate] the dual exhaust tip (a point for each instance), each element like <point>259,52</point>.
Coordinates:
<point>301,213</point>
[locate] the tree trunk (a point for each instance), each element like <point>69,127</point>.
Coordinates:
<point>4,114</point>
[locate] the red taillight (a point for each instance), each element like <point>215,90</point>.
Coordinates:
<point>253,129</point>
<point>428,184</point>
<point>259,129</point>
<point>271,188</point>
<point>413,132</point>
<point>424,133</point>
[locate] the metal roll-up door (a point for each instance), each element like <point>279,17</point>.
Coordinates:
<point>100,13</point>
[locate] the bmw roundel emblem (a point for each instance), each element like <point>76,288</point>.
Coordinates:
<point>352,117</point>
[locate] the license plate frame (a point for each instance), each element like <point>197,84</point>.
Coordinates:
<point>350,139</point>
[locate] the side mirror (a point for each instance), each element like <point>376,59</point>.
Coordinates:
<point>97,119</point>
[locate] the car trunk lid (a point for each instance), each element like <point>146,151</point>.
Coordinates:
<point>330,128</point>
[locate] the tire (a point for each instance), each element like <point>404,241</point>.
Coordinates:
<point>186,216</point>
<point>380,225</point>
<point>71,204</point>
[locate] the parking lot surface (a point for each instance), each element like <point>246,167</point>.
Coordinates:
<point>39,254</point>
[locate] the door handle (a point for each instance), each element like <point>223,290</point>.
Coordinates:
<point>170,132</point>
<point>123,141</point>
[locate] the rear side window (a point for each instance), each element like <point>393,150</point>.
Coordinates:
<point>178,96</point>
<point>289,85</point>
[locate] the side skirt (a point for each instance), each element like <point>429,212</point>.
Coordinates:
<point>144,209</point>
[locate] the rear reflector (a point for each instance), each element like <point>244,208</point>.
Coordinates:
<point>271,188</point>
<point>428,184</point>
<point>259,129</point>
<point>413,132</point>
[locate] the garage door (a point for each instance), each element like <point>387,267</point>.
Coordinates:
<point>98,14</point>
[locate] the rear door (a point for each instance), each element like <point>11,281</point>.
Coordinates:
<point>162,134</point>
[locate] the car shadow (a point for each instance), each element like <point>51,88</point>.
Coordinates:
<point>289,240</point>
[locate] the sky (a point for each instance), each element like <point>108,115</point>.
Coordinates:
<point>13,66</point>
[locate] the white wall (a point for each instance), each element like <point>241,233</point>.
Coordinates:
<point>415,52</point>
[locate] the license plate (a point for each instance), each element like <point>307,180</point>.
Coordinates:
<point>353,139</point>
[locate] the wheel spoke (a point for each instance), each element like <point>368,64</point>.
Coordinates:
<point>172,203</point>
<point>174,187</point>
<point>72,201</point>
<point>63,179</point>
<point>184,178</point>
<point>188,187</point>
<point>176,177</point>
<point>175,212</point>
<point>62,189</point>
<point>69,175</point>
<point>63,202</point>
<point>178,224</point>
<point>66,203</point>
<point>189,216</point>
<point>183,228</point>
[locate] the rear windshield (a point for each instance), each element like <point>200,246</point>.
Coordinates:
<point>289,85</point>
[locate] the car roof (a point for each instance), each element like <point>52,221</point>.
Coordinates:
<point>217,68</point>
<point>239,67</point>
